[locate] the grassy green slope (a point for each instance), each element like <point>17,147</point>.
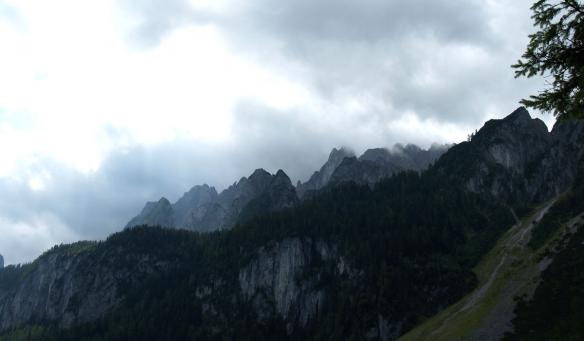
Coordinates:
<point>511,269</point>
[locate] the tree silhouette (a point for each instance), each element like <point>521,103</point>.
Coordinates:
<point>556,51</point>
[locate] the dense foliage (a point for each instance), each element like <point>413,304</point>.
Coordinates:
<point>557,50</point>
<point>414,239</point>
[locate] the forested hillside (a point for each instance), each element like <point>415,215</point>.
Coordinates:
<point>403,265</point>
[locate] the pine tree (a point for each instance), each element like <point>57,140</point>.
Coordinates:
<point>556,51</point>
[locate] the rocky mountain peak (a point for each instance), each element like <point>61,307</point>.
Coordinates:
<point>281,184</point>
<point>519,115</point>
<point>163,202</point>
<point>376,154</point>
<point>154,213</point>
<point>367,171</point>
<point>517,159</point>
<point>321,177</point>
<point>339,154</point>
<point>282,176</point>
<point>402,157</point>
<point>408,148</point>
<point>203,209</point>
<point>259,173</point>
<point>201,189</point>
<point>1,262</point>
<point>260,179</point>
<point>440,147</point>
<point>278,194</point>
<point>197,194</point>
<point>513,142</point>
<point>373,165</point>
<point>516,127</point>
<point>195,197</point>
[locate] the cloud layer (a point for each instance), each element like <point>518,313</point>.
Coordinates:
<point>105,105</point>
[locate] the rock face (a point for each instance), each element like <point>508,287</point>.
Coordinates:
<point>57,289</point>
<point>516,159</point>
<point>277,283</point>
<point>202,209</point>
<point>1,262</point>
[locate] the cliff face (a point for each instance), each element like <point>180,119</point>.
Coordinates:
<point>78,283</point>
<point>59,287</point>
<point>276,280</point>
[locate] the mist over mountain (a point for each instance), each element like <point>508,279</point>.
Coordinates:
<point>202,209</point>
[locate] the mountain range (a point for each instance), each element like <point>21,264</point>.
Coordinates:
<point>203,209</point>
<point>477,241</point>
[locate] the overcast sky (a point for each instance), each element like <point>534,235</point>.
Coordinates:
<point>107,104</point>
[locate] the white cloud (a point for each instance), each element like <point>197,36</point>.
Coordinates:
<point>106,104</point>
<point>22,241</point>
<point>73,74</point>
